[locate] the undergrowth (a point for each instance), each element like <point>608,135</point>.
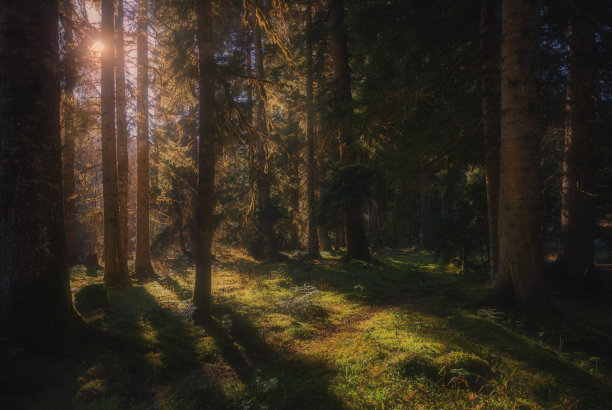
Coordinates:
<point>404,332</point>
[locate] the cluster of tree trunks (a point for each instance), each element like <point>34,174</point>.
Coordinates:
<point>115,262</point>
<point>512,161</point>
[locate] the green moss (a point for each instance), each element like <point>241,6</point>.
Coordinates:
<point>463,369</point>
<point>91,297</point>
<point>401,333</point>
<point>417,365</point>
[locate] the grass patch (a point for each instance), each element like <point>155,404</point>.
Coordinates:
<point>403,332</point>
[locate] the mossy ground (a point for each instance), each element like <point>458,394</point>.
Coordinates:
<point>404,332</point>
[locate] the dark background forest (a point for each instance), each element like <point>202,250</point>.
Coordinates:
<point>305,204</point>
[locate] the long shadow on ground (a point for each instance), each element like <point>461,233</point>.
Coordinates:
<point>272,378</point>
<point>448,298</point>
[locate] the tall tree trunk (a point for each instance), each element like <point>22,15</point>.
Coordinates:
<point>35,300</point>
<point>490,42</point>
<point>313,240</point>
<point>143,254</point>
<point>68,158</point>
<point>425,212</point>
<point>122,132</point>
<point>340,241</point>
<point>202,297</point>
<point>295,205</point>
<point>356,241</point>
<point>265,204</point>
<point>319,140</point>
<point>322,231</point>
<point>375,238</point>
<point>576,244</point>
<point>520,252</point>
<point>115,265</point>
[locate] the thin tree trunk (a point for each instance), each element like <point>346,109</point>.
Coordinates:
<point>115,266</point>
<point>294,241</point>
<point>248,39</point>
<point>143,254</point>
<point>322,231</point>
<point>265,204</point>
<point>122,132</point>
<point>35,300</point>
<point>313,241</point>
<point>68,159</point>
<point>490,42</point>
<point>340,241</point>
<point>425,212</point>
<point>202,297</point>
<point>356,241</point>
<point>576,253</point>
<point>520,253</point>
<point>374,224</point>
<point>319,141</point>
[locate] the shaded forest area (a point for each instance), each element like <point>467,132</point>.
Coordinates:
<point>305,204</point>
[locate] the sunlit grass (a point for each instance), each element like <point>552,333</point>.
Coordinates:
<point>405,332</point>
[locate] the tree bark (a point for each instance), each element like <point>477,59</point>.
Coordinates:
<point>520,253</point>
<point>202,297</point>
<point>356,241</point>
<point>115,265</point>
<point>35,300</point>
<point>143,266</point>
<point>294,238</point>
<point>490,41</point>
<point>68,158</point>
<point>576,254</point>
<point>313,240</point>
<point>425,212</point>
<point>122,132</point>
<point>266,222</point>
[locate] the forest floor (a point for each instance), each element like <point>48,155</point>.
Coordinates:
<point>403,332</point>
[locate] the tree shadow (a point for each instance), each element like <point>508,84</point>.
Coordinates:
<point>148,357</point>
<point>181,292</point>
<point>272,377</point>
<point>453,299</point>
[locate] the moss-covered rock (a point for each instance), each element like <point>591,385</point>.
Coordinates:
<point>91,297</point>
<point>416,365</point>
<point>462,369</point>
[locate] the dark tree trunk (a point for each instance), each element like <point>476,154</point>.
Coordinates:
<point>313,240</point>
<point>576,243</point>
<point>122,132</point>
<point>35,300</point>
<point>115,265</point>
<point>490,42</point>
<point>143,254</point>
<point>356,241</point>
<point>520,253</point>
<point>340,241</point>
<point>320,142</point>
<point>202,297</point>
<point>294,242</point>
<point>68,158</point>
<point>266,222</point>
<point>375,239</point>
<point>425,211</point>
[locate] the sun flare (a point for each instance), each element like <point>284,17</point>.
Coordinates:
<point>97,46</point>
